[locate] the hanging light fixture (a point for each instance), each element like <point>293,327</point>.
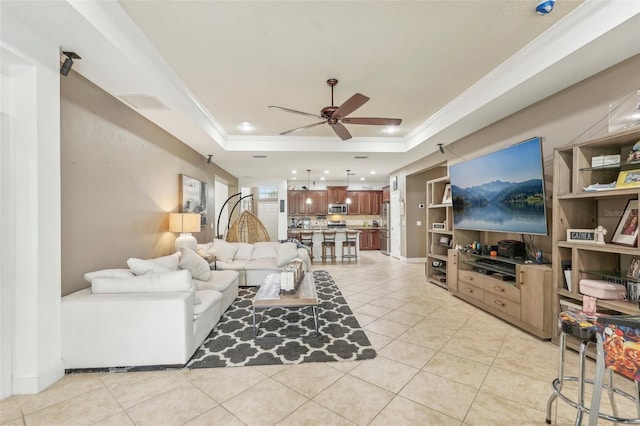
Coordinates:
<point>308,184</point>
<point>348,200</point>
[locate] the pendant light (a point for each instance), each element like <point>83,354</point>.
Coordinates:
<point>348,200</point>
<point>308,184</point>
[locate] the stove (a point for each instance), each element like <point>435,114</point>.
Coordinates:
<point>336,224</point>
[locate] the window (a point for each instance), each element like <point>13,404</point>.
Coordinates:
<point>267,193</point>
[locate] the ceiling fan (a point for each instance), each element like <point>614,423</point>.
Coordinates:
<point>335,116</point>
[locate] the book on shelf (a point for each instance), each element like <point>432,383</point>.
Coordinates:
<point>566,269</point>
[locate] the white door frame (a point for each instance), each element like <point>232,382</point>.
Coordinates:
<point>394,225</point>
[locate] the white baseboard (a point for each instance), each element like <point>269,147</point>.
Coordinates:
<point>31,385</point>
<point>416,260</point>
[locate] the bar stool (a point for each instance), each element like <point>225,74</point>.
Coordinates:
<point>618,349</point>
<point>306,238</point>
<point>582,327</point>
<point>351,240</point>
<point>328,242</point>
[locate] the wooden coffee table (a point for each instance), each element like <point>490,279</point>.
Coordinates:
<point>269,296</point>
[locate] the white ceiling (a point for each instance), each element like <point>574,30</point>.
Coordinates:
<point>447,68</point>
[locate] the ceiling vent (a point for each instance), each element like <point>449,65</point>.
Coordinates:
<point>143,102</point>
<point>259,156</point>
<point>361,157</point>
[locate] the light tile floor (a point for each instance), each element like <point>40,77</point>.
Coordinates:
<point>440,362</point>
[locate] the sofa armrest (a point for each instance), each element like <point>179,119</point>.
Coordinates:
<point>126,329</point>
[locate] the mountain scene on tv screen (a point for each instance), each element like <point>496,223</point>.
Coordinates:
<point>501,206</point>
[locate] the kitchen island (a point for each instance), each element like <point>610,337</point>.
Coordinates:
<point>317,241</point>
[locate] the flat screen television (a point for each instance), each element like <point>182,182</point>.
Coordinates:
<point>502,191</point>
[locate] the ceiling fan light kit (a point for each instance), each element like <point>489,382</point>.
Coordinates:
<point>335,116</point>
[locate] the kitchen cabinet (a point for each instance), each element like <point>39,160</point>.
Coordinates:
<point>336,194</point>
<point>318,202</point>
<point>369,239</point>
<point>295,199</point>
<point>386,194</point>
<point>365,202</point>
<point>297,202</point>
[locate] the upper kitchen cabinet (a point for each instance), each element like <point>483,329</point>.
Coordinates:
<point>297,201</point>
<point>318,202</point>
<point>365,202</point>
<point>336,194</point>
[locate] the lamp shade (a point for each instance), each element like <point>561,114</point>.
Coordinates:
<point>184,222</point>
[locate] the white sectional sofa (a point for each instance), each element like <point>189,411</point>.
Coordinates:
<point>254,261</point>
<point>158,312</point>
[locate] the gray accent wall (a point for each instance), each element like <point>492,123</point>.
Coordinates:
<point>569,117</point>
<point>119,182</point>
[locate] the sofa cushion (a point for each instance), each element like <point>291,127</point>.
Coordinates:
<point>208,298</point>
<point>219,281</point>
<point>159,264</point>
<point>108,273</point>
<point>194,263</point>
<point>170,281</point>
<point>262,264</point>
<point>264,250</point>
<point>285,253</point>
<point>245,251</point>
<point>223,250</point>
<point>236,265</point>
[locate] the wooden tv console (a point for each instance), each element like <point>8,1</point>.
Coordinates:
<point>519,293</point>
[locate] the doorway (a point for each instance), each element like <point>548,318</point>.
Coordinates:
<point>268,215</point>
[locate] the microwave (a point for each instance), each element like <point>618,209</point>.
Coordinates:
<point>337,209</point>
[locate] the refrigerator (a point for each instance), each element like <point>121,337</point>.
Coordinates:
<point>384,229</point>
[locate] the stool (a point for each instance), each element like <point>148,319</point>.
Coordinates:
<point>351,240</point>
<point>306,238</point>
<point>328,242</point>
<point>582,327</point>
<point>618,349</point>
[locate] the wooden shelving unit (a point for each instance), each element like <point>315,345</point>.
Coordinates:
<point>439,239</point>
<point>575,208</point>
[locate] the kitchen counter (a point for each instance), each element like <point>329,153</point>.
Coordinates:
<point>317,241</point>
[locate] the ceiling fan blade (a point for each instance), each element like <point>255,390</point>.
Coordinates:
<point>341,131</point>
<point>303,127</point>
<point>350,105</point>
<point>373,121</point>
<point>295,111</point>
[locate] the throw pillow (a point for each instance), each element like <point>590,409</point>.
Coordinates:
<point>108,273</point>
<point>286,253</point>
<point>150,283</point>
<point>192,262</point>
<point>159,264</point>
<point>264,250</point>
<point>245,250</point>
<point>222,250</point>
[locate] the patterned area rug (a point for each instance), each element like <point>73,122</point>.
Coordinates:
<point>231,342</point>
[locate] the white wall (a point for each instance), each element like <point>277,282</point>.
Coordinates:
<point>31,206</point>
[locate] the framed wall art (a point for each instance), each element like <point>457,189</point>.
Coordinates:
<point>627,231</point>
<point>446,197</point>
<point>193,197</point>
<point>628,179</point>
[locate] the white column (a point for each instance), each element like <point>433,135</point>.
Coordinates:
<point>30,257</point>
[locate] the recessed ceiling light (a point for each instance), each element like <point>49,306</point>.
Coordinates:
<point>321,177</point>
<point>245,126</point>
<point>294,178</point>
<point>360,157</point>
<point>326,172</point>
<point>390,130</point>
<point>259,156</point>
<point>362,178</point>
<point>373,172</point>
<point>294,172</point>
